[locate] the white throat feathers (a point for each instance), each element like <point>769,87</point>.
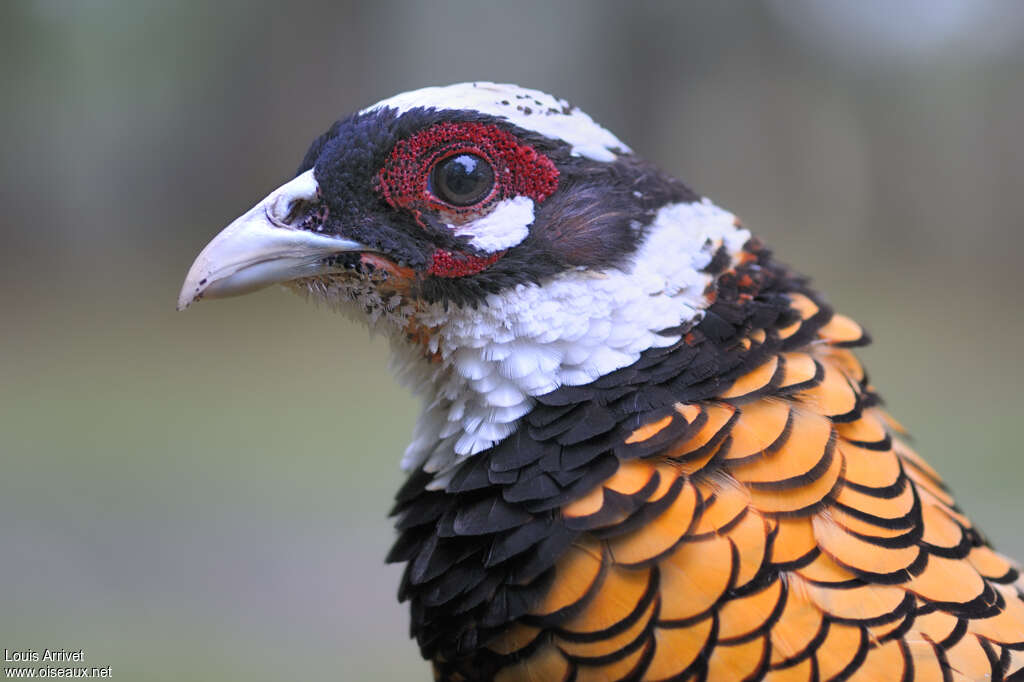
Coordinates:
<point>491,361</point>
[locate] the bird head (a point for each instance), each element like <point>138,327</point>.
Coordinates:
<point>505,242</point>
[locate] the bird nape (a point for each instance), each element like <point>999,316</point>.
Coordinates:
<point>647,450</point>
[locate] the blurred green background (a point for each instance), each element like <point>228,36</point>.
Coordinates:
<point>203,496</point>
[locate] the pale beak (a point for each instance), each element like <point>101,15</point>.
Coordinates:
<point>261,248</point>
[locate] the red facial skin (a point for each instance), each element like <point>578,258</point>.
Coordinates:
<point>456,264</point>
<point>519,170</point>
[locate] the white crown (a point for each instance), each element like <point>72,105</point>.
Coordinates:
<point>529,109</point>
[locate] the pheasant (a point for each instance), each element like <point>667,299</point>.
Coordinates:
<point>647,450</point>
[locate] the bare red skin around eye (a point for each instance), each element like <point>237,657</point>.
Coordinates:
<point>519,170</point>
<point>454,264</point>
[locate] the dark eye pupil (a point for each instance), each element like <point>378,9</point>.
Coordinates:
<point>462,180</point>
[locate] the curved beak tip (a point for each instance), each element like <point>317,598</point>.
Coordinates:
<point>247,258</point>
<point>187,297</point>
<point>190,292</point>
<point>198,279</point>
<point>254,252</point>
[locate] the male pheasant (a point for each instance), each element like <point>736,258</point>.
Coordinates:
<point>647,450</point>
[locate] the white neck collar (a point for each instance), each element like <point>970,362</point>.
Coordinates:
<point>522,343</point>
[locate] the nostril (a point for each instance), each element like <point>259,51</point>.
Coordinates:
<point>292,212</point>
<point>295,209</point>
<point>298,205</point>
<point>298,214</point>
<point>294,202</point>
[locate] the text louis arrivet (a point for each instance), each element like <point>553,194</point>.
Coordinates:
<point>46,655</point>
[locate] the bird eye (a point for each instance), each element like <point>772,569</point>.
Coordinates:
<point>462,180</point>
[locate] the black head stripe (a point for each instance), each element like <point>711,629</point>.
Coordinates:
<point>596,218</point>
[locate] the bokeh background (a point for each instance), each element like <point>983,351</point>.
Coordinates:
<point>203,496</point>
